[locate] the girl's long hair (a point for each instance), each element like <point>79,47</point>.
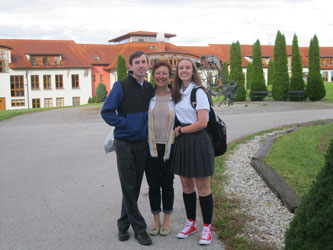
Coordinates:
<point>178,82</point>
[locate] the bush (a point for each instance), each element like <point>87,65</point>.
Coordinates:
<point>101,92</point>
<point>312,226</point>
<point>92,99</point>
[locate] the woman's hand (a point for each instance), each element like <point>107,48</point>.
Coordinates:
<point>177,131</point>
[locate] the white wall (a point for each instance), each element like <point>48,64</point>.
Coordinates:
<point>84,91</point>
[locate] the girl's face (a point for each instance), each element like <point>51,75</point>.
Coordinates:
<point>185,71</point>
<point>161,76</point>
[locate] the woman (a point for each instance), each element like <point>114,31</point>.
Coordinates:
<point>161,136</point>
<point>193,158</point>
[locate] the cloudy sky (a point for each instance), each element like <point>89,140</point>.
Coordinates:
<point>195,22</point>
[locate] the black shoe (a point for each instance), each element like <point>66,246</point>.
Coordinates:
<point>143,239</point>
<point>123,235</point>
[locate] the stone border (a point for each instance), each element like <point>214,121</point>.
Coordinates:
<point>273,180</point>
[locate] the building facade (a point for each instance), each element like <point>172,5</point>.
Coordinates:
<point>56,73</point>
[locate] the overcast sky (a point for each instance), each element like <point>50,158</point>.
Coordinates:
<point>195,22</point>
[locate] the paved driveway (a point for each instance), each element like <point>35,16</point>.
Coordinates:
<point>58,190</point>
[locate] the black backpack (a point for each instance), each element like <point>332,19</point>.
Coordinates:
<point>215,127</point>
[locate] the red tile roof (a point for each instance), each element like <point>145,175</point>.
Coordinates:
<point>72,56</point>
<point>86,55</point>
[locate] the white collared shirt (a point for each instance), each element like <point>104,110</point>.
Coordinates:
<point>184,111</point>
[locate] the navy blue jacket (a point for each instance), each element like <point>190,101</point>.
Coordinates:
<point>126,108</point>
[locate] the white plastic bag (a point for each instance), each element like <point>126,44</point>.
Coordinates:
<point>109,143</point>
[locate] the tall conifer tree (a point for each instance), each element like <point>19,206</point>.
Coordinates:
<point>281,77</point>
<point>315,89</point>
<point>257,74</point>
<point>121,68</point>
<point>248,75</point>
<point>296,81</point>
<point>236,70</point>
<point>270,73</point>
<point>312,226</point>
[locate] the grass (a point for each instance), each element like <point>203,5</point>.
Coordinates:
<point>329,92</point>
<point>6,114</point>
<point>298,156</point>
<point>304,148</point>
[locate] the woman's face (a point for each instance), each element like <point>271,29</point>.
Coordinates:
<point>185,70</point>
<point>161,76</point>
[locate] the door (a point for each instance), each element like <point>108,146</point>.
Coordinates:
<point>2,103</point>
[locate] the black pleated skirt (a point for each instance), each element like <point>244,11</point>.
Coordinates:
<point>193,155</point>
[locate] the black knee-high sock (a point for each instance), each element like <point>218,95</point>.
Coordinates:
<point>190,201</point>
<point>206,203</point>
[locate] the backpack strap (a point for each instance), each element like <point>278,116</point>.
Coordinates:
<point>193,97</point>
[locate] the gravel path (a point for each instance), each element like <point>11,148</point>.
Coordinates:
<point>270,218</point>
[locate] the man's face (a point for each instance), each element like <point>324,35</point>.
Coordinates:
<point>139,67</point>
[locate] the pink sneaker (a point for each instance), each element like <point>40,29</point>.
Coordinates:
<point>189,229</point>
<point>206,235</point>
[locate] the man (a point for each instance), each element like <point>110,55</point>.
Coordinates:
<point>126,108</point>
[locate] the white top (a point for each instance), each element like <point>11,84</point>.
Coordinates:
<point>184,111</point>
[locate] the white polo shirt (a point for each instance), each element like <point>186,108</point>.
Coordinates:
<point>184,111</point>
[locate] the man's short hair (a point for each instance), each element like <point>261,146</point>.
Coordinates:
<point>136,54</point>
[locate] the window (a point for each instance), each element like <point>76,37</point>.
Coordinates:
<point>93,78</point>
<point>34,81</point>
<point>325,76</point>
<point>46,61</point>
<point>4,59</point>
<point>60,102</point>
<point>59,82</point>
<point>331,76</point>
<point>48,103</point>
<point>101,78</point>
<point>35,103</point>
<point>47,81</point>
<point>18,102</point>
<point>75,81</point>
<point>76,101</point>
<point>16,86</point>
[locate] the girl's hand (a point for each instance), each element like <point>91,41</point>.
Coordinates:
<point>177,131</point>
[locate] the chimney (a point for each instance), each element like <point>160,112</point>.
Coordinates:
<point>160,40</point>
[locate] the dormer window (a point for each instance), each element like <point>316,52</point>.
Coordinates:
<point>33,61</point>
<point>4,60</point>
<point>44,60</point>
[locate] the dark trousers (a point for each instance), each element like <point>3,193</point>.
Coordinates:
<point>160,179</point>
<point>131,162</point>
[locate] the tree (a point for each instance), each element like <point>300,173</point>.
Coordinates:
<point>152,81</point>
<point>312,226</point>
<point>248,75</point>
<point>296,81</point>
<point>257,73</point>
<point>236,71</point>
<point>315,89</point>
<point>121,67</point>
<point>270,73</point>
<point>280,77</point>
<point>224,73</point>
<point>101,92</point>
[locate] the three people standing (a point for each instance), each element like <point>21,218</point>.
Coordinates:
<point>137,115</point>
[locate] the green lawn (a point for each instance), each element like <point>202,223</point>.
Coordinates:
<point>329,92</point>
<point>5,114</point>
<point>298,156</point>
